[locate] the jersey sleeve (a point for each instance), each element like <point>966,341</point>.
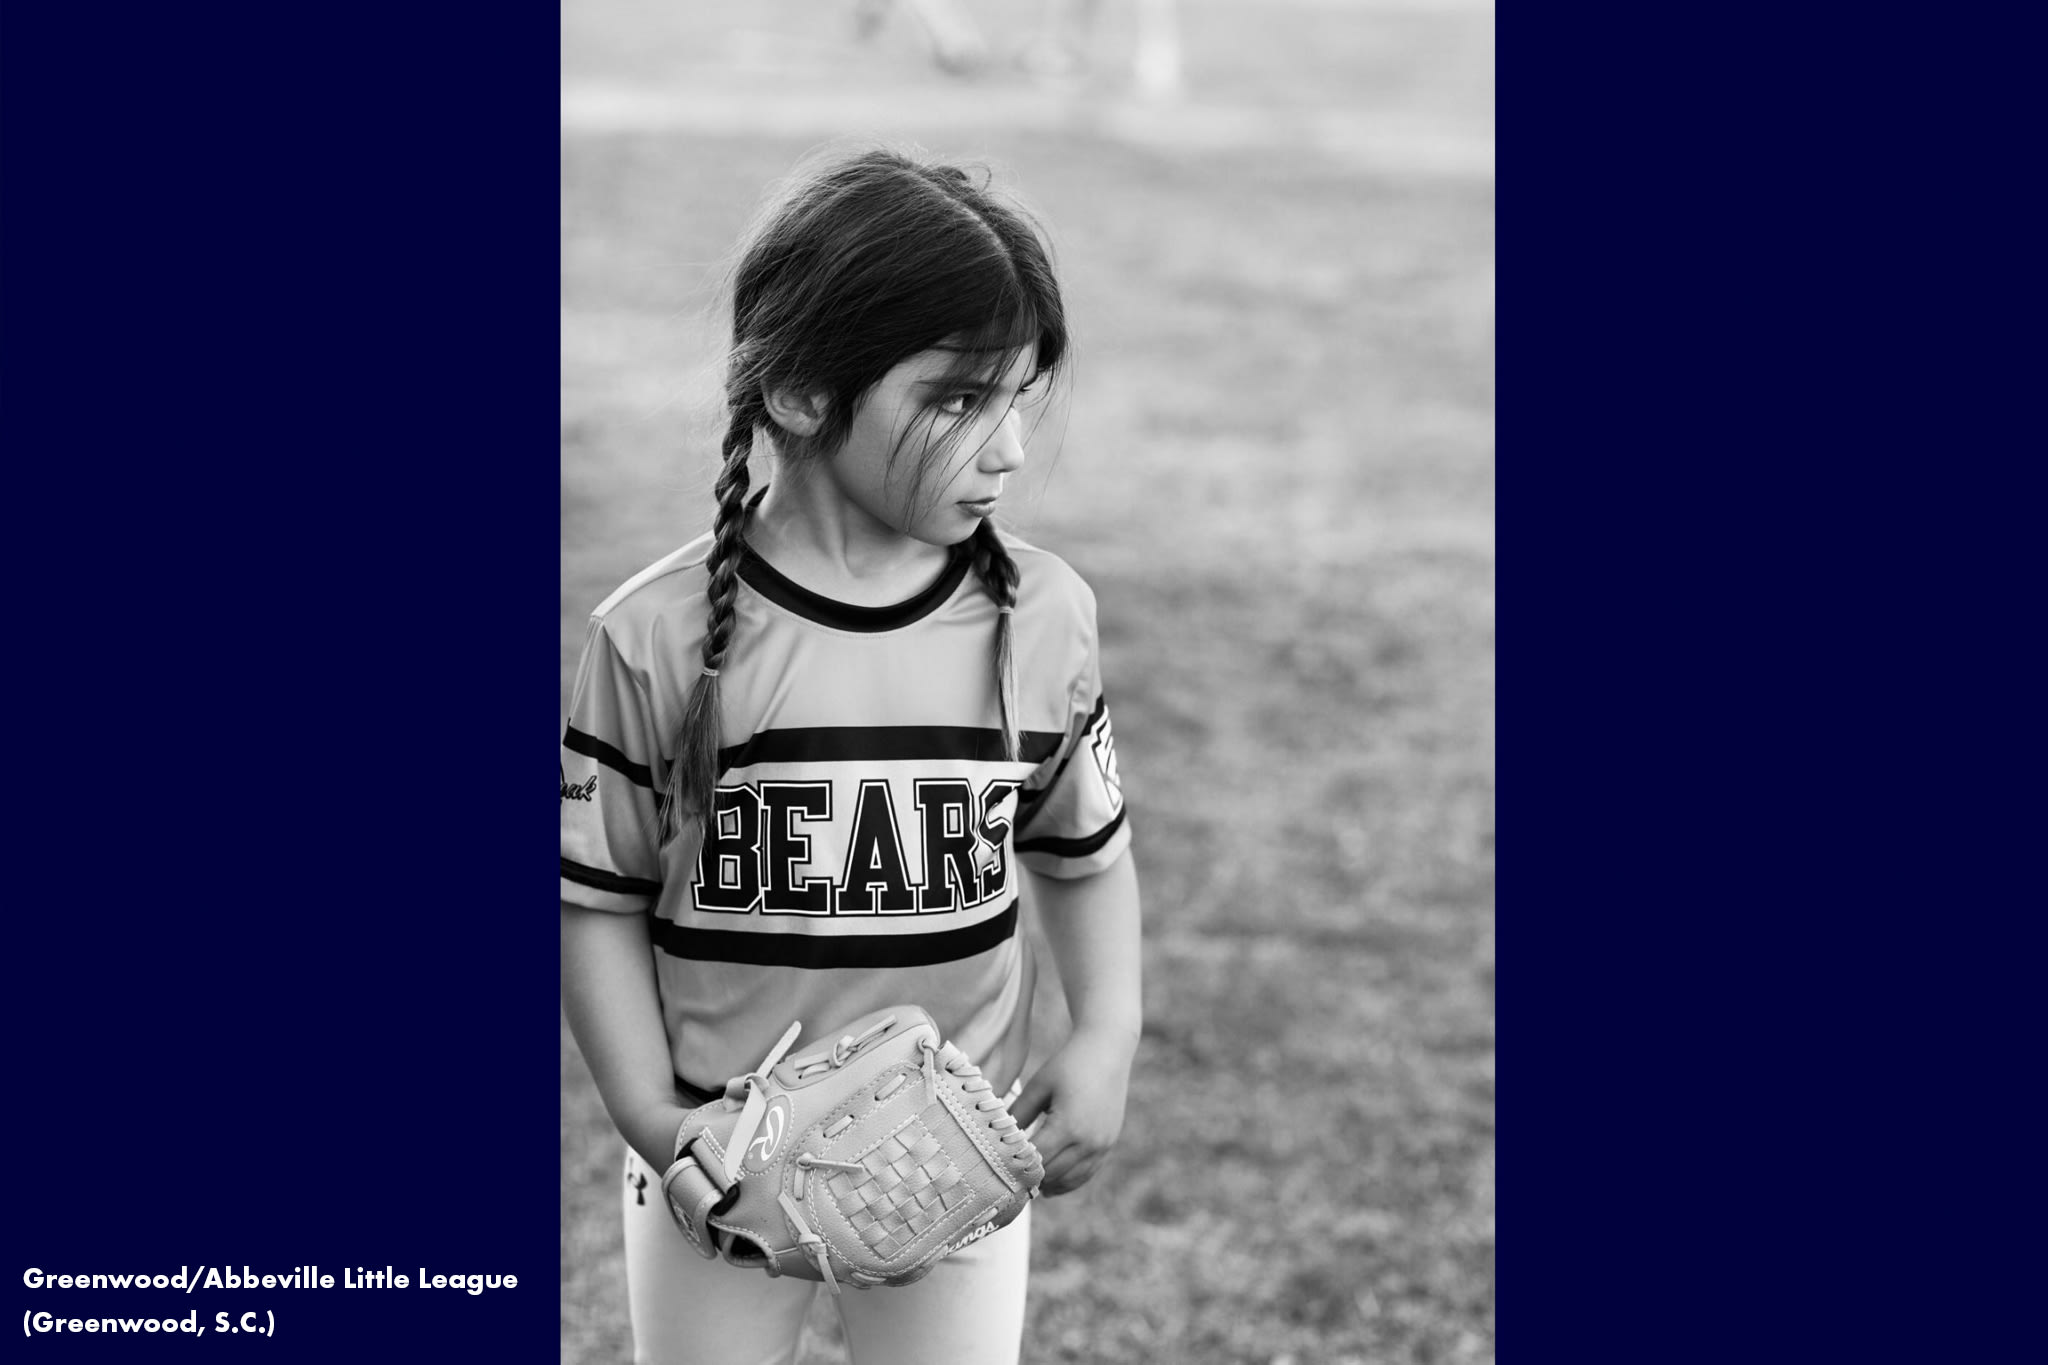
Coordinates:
<point>610,810</point>
<point>1070,815</point>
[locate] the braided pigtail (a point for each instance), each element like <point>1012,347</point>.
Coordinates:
<point>693,777</point>
<point>998,575</point>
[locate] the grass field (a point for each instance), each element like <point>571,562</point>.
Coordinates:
<point>1276,470</point>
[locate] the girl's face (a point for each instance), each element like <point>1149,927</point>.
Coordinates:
<point>918,407</point>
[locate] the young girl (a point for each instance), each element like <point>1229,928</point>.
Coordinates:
<point>812,755</point>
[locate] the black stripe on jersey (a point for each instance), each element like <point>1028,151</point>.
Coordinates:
<point>881,743</point>
<point>601,880</point>
<point>1072,848</point>
<point>763,578</point>
<point>820,952</point>
<point>590,746</point>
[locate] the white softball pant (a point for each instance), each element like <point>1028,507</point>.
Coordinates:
<point>689,1311</point>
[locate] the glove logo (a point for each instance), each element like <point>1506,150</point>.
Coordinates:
<point>975,1236</point>
<point>774,1127</point>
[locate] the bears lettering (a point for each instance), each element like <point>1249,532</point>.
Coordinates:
<point>767,836</point>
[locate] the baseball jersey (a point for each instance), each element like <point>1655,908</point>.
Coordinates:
<point>868,830</point>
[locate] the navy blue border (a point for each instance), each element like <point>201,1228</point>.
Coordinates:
<point>1640,662</point>
<point>1768,308</point>
<point>278,350</point>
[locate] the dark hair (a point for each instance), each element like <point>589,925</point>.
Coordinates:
<point>870,261</point>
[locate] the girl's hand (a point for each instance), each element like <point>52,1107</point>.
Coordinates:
<point>1080,1091</point>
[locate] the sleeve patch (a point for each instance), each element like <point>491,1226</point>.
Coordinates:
<point>1102,748</point>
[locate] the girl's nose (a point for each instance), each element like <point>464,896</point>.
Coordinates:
<point>1004,452</point>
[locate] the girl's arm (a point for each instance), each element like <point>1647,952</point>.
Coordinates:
<point>614,1009</point>
<point>1091,924</point>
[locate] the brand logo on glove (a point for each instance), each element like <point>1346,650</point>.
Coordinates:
<point>975,1236</point>
<point>768,1141</point>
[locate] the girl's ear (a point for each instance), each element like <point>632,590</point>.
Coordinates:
<point>799,414</point>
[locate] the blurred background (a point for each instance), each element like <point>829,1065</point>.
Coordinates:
<point>1275,225</point>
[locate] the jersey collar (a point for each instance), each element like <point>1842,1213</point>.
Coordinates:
<point>758,574</point>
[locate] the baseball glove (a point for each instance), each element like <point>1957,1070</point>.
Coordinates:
<point>864,1163</point>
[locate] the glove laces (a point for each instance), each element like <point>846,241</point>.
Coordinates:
<point>975,1085</point>
<point>810,1242</point>
<point>842,1049</point>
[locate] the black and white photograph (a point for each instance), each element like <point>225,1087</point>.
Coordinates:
<point>1027,682</point>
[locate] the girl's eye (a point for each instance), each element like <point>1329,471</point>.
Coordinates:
<point>968,401</point>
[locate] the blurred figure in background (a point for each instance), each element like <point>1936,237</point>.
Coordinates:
<point>1063,49</point>
<point>1067,34</point>
<point>956,44</point>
